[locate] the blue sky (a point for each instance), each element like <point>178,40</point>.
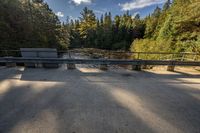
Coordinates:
<point>72,8</point>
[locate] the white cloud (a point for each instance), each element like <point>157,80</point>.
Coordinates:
<point>78,2</point>
<point>60,14</point>
<point>136,4</point>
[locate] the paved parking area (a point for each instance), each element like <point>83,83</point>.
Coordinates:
<point>93,101</point>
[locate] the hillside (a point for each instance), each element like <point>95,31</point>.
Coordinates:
<point>174,28</point>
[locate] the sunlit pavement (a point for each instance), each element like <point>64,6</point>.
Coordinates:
<point>88,100</point>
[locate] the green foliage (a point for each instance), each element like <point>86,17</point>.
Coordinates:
<point>105,33</point>
<point>88,23</point>
<point>152,23</point>
<point>174,29</point>
<point>25,23</point>
<point>166,30</point>
<point>119,45</point>
<point>151,45</point>
<point>167,5</point>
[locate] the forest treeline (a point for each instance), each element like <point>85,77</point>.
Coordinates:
<point>105,32</point>
<point>173,28</point>
<point>25,23</point>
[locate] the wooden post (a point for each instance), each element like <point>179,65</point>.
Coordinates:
<point>138,56</point>
<point>183,57</point>
<point>195,57</point>
<point>104,67</point>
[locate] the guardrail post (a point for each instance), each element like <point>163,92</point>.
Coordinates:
<point>144,67</point>
<point>171,67</point>
<point>103,67</point>
<point>10,63</point>
<point>71,66</point>
<point>136,67</point>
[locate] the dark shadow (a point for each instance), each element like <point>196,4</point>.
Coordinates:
<point>10,73</point>
<point>187,74</point>
<point>64,75</point>
<point>175,75</point>
<point>174,103</point>
<point>60,100</point>
<point>78,106</point>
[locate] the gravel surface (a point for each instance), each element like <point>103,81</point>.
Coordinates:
<point>87,100</point>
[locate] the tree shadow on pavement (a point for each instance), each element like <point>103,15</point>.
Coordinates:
<point>73,101</point>
<point>52,106</point>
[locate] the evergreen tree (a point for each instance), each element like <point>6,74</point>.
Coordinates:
<point>176,28</point>
<point>25,23</point>
<point>87,26</point>
<point>167,5</point>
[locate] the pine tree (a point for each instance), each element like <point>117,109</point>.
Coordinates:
<point>87,26</point>
<point>35,25</point>
<point>167,5</point>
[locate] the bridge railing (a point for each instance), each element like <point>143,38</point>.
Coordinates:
<point>104,54</point>
<point>105,58</point>
<point>141,55</point>
<point>136,64</point>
